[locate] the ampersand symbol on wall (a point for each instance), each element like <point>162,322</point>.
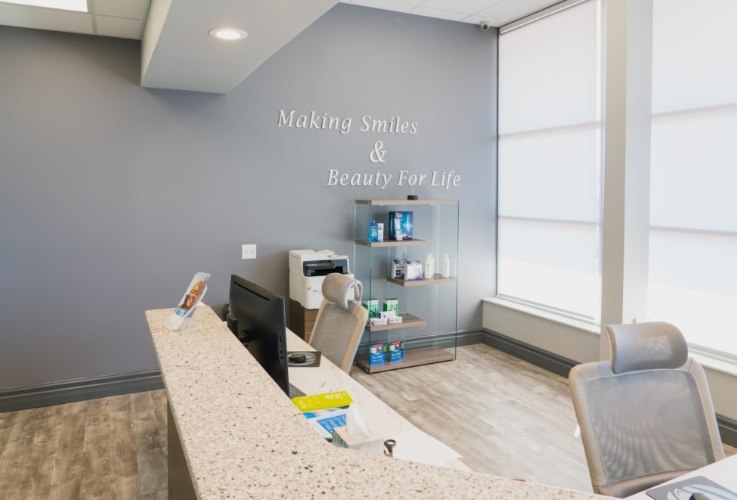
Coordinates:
<point>377,155</point>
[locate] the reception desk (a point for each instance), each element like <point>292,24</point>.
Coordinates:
<point>239,436</point>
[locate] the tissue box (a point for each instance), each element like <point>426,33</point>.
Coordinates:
<point>370,444</point>
<point>377,354</point>
<point>413,271</point>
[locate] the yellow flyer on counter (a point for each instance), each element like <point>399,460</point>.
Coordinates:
<point>315,402</point>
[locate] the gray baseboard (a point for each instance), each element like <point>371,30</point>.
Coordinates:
<point>70,391</point>
<point>561,366</point>
<point>728,430</point>
<point>527,352</point>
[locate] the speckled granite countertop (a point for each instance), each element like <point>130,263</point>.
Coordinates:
<point>243,438</point>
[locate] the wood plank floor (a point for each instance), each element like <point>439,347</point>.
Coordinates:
<point>115,447</point>
<point>109,448</point>
<point>496,430</point>
<point>505,416</point>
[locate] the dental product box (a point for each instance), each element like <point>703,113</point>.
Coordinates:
<point>388,316</point>
<point>372,306</point>
<point>398,268</point>
<point>401,226</point>
<point>396,351</point>
<point>391,304</point>
<point>378,321</point>
<point>377,353</point>
<point>391,317</point>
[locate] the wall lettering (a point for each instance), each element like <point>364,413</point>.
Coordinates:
<point>393,125</point>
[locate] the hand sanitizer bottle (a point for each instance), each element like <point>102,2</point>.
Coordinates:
<point>428,270</point>
<point>445,272</point>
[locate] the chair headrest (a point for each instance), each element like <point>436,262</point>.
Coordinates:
<point>341,288</point>
<point>646,346</point>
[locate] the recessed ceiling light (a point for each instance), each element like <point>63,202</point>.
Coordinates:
<point>75,5</point>
<point>228,34</point>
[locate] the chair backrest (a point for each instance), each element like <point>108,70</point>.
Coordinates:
<point>340,321</point>
<point>646,416</point>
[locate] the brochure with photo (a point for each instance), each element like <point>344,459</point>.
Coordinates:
<point>188,304</point>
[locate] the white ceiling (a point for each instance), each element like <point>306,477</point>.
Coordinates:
<point>177,52</point>
<point>115,18</point>
<point>495,12</point>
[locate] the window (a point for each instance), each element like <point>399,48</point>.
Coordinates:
<point>693,204</point>
<point>550,129</point>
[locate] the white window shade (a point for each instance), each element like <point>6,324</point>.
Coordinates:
<point>549,162</point>
<point>548,71</point>
<point>693,209</point>
<point>694,170</point>
<point>550,173</point>
<point>694,54</point>
<point>550,264</point>
<point>693,284</point>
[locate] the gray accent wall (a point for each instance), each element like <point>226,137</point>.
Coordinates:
<point>112,195</point>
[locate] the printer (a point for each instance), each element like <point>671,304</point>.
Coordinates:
<point>307,271</point>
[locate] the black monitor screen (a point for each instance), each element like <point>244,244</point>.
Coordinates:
<point>260,324</point>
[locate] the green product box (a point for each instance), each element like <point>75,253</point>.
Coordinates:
<point>391,304</point>
<point>372,306</point>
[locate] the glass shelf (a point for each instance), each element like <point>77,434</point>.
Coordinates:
<point>429,307</point>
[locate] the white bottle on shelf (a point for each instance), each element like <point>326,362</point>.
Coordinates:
<point>445,270</point>
<point>428,270</point>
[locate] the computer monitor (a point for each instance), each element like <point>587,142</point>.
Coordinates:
<point>260,324</point>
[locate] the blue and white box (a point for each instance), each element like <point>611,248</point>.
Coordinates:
<point>377,353</point>
<point>396,351</point>
<point>401,226</point>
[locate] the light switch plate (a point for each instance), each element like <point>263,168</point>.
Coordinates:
<point>248,252</point>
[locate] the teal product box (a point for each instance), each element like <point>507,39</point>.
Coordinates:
<point>377,353</point>
<point>372,306</point>
<point>396,351</point>
<point>373,233</point>
<point>401,226</point>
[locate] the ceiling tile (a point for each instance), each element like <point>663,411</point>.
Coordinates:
<point>465,6</point>
<point>438,13</point>
<point>45,19</point>
<point>118,27</point>
<point>385,4</point>
<point>131,9</point>
<point>511,10</point>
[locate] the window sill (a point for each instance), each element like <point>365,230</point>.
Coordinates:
<point>706,359</point>
<point>547,315</point>
<point>714,361</point>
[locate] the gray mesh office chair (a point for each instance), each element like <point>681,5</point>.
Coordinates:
<point>340,321</point>
<point>646,415</point>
